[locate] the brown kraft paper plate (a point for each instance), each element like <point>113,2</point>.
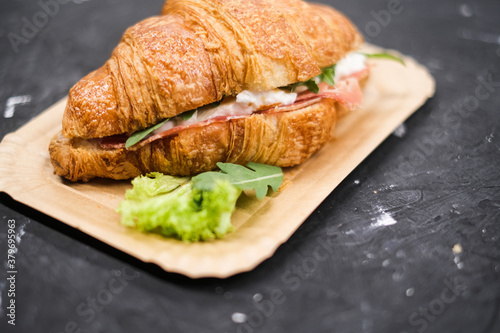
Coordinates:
<point>393,92</point>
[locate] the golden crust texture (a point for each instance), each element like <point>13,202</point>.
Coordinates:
<point>200,51</point>
<point>281,139</point>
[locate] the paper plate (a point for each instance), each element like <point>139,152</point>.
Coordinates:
<point>392,93</point>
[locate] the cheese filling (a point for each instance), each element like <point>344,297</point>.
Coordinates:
<point>245,103</point>
<point>352,63</point>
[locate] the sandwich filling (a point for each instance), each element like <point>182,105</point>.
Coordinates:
<point>339,82</point>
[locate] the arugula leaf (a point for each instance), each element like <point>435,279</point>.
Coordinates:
<point>138,136</point>
<point>310,84</point>
<point>328,75</point>
<point>292,86</point>
<point>215,104</point>
<point>187,115</point>
<point>384,56</point>
<point>206,181</point>
<point>254,176</point>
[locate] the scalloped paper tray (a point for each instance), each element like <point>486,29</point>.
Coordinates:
<point>392,93</point>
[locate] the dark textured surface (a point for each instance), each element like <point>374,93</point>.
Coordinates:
<point>376,256</point>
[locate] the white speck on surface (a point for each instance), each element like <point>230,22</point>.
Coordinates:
<point>410,292</point>
<point>400,254</point>
<point>239,317</point>
<point>20,233</point>
<point>384,220</point>
<point>370,255</point>
<point>465,10</point>
<point>458,262</point>
<point>357,180</point>
<point>455,208</point>
<point>386,263</point>
<point>257,297</point>
<point>400,131</point>
<point>457,249</point>
<point>490,137</point>
<point>11,103</point>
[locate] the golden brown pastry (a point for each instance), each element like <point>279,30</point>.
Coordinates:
<point>196,53</point>
<point>284,139</point>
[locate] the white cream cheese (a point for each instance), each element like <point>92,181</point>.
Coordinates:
<point>245,103</point>
<point>352,63</point>
<point>257,99</point>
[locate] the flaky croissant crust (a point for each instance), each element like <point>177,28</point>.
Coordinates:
<point>281,139</point>
<point>200,51</point>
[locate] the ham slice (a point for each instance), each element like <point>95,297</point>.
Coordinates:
<point>347,92</point>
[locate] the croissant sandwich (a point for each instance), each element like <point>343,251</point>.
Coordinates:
<point>213,81</point>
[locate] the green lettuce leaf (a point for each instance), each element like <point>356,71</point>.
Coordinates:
<point>172,207</point>
<point>254,176</point>
<point>154,183</point>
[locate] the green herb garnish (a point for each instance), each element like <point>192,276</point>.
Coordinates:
<point>215,104</point>
<point>310,84</point>
<point>138,136</point>
<point>254,176</point>
<point>384,56</point>
<point>328,75</point>
<point>187,115</point>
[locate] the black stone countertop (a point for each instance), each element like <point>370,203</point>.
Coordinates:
<point>376,256</point>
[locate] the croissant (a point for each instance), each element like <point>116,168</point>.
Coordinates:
<point>197,53</point>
